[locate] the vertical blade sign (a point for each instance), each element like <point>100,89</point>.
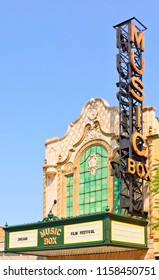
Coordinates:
<point>132,146</point>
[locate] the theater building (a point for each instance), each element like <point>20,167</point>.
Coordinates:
<point>81,209</point>
<point>97,177</point>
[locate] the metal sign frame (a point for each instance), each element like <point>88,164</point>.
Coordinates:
<point>132,148</point>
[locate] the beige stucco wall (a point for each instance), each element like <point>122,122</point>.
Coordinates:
<point>1,240</point>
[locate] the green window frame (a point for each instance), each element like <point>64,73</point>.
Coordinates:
<point>117,190</point>
<point>93,185</point>
<point>69,195</point>
<point>116,195</point>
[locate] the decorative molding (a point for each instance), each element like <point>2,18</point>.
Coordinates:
<point>68,168</point>
<point>93,143</point>
<point>93,163</point>
<point>93,109</point>
<point>93,132</point>
<point>62,162</point>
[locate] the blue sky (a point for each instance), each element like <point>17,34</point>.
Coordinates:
<point>55,55</point>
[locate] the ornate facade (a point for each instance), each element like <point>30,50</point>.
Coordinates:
<point>78,177</point>
<point>92,136</point>
<point>82,217</point>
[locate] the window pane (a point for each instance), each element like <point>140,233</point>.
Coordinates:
<point>98,206</point>
<point>87,209</point>
<point>82,199</point>
<point>81,188</point>
<point>98,174</point>
<point>92,197</point>
<point>86,197</point>
<point>104,208</point>
<point>82,178</point>
<point>98,185</point>
<point>92,208</point>
<point>93,149</point>
<point>92,186</point>
<point>81,209</point>
<point>98,196</point>
<point>104,193</point>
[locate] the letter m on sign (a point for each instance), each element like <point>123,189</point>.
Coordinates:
<point>137,37</point>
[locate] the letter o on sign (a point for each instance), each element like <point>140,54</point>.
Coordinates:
<point>140,170</point>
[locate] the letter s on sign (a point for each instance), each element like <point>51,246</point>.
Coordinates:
<point>137,86</point>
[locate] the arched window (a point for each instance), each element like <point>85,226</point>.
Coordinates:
<point>93,180</point>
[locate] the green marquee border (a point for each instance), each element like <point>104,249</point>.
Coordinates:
<point>53,221</point>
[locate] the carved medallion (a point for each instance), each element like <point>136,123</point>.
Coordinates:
<point>93,163</point>
<point>93,114</point>
<point>69,167</point>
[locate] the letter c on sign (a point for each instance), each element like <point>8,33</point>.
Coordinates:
<point>138,140</point>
